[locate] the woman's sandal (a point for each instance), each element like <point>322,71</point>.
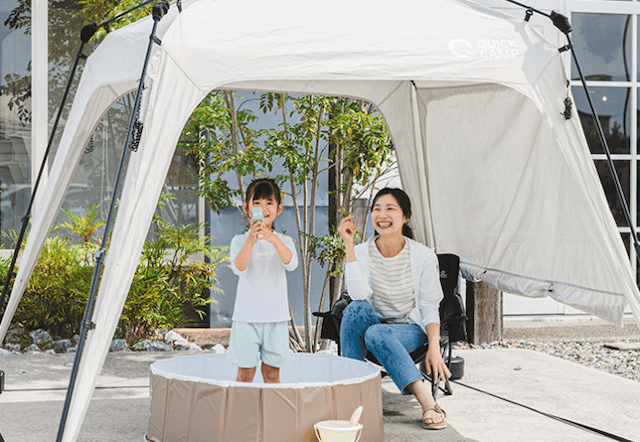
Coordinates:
<point>432,425</point>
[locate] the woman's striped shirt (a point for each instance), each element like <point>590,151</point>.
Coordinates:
<point>392,283</point>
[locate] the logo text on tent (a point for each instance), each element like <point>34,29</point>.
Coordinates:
<point>484,48</point>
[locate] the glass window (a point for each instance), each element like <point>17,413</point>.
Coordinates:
<point>622,169</point>
<point>15,119</point>
<point>65,23</point>
<point>613,107</point>
<point>603,46</point>
<point>626,239</point>
<point>94,179</point>
<point>181,183</point>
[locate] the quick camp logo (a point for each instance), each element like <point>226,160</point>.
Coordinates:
<point>486,48</point>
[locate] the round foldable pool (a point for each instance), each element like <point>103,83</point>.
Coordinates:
<point>196,398</point>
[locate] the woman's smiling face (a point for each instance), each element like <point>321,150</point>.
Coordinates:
<point>387,217</point>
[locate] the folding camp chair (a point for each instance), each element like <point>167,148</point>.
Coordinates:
<point>452,320</point>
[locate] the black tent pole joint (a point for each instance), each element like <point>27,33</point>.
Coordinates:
<point>561,22</point>
<point>160,9</point>
<point>87,32</point>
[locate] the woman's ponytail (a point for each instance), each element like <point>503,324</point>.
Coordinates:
<point>407,231</point>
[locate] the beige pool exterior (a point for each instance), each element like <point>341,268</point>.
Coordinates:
<point>188,404</point>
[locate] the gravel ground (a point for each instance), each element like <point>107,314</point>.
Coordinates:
<point>584,340</point>
<point>621,358</point>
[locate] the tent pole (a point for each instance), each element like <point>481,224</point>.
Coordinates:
<point>160,8</point>
<point>105,24</point>
<point>562,23</point>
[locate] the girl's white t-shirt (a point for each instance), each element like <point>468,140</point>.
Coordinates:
<point>262,287</point>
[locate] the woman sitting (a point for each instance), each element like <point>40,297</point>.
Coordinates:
<point>395,286</point>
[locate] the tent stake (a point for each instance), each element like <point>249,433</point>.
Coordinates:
<point>160,8</point>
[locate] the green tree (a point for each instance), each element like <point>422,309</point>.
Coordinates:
<point>176,273</point>
<point>316,133</point>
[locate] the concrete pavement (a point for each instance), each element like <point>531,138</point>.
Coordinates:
<point>31,404</point>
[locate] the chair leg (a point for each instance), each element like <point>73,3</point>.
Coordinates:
<point>435,386</point>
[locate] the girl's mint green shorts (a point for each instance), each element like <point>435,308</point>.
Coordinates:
<point>252,341</point>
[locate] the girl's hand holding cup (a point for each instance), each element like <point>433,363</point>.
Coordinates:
<point>255,232</point>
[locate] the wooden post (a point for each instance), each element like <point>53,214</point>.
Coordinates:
<point>484,310</point>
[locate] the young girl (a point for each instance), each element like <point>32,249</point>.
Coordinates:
<point>260,315</point>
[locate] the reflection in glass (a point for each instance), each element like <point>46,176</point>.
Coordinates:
<point>623,170</point>
<point>638,197</point>
<point>15,121</point>
<point>603,46</point>
<point>95,176</point>
<point>181,184</point>
<point>94,179</point>
<point>65,23</point>
<point>613,106</point>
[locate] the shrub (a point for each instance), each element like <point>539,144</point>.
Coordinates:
<point>56,294</point>
<point>169,280</point>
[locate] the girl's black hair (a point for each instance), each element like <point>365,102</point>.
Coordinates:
<point>403,201</point>
<point>263,188</point>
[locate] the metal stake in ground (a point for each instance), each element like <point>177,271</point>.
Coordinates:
<point>160,8</point>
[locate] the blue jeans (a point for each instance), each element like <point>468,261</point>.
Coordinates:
<point>361,330</point>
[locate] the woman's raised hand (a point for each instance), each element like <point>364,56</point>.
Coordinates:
<point>347,230</point>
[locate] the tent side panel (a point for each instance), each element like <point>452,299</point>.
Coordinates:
<point>506,199</point>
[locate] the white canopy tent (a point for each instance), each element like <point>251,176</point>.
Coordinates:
<point>473,101</point>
